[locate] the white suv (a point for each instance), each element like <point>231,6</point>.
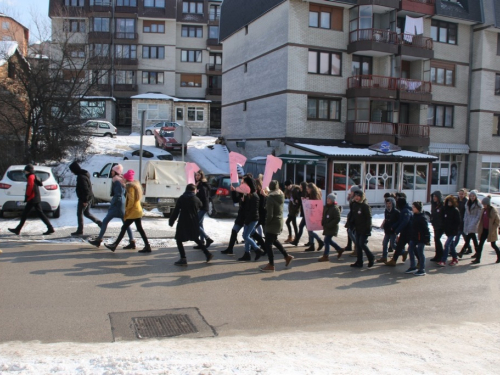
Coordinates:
<point>100,128</point>
<point>13,189</point>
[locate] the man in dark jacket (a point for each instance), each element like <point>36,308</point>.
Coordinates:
<point>462,203</point>
<point>251,220</point>
<point>84,194</point>
<point>361,224</point>
<point>32,199</point>
<point>437,223</point>
<point>188,227</point>
<point>239,222</point>
<point>403,230</point>
<point>420,236</point>
<point>203,194</point>
<point>389,225</point>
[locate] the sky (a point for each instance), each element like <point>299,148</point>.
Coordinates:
<point>22,10</point>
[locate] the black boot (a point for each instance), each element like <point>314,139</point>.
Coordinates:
<point>245,258</point>
<point>310,248</point>
<point>320,245</point>
<point>97,242</point>
<point>232,241</point>
<point>258,254</point>
<point>112,246</point>
<point>198,247</point>
<point>50,230</point>
<point>130,246</point>
<point>208,242</point>
<point>15,231</point>
<point>146,249</point>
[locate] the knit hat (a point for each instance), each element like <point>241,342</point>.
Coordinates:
<point>355,188</point>
<point>274,185</point>
<point>118,168</point>
<point>129,176</point>
<point>358,192</point>
<point>418,206</point>
<point>473,192</point>
<point>332,196</point>
<point>486,201</point>
<point>29,168</point>
<point>75,167</point>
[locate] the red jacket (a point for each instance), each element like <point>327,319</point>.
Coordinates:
<point>32,190</point>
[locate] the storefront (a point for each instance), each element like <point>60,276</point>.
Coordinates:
<point>490,174</point>
<point>448,169</point>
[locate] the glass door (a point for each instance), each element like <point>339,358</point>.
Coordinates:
<point>414,182</point>
<point>379,179</point>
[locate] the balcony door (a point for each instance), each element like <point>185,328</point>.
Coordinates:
<point>404,113</point>
<point>361,65</point>
<point>216,60</point>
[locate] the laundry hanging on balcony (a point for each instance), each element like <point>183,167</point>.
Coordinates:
<point>413,26</point>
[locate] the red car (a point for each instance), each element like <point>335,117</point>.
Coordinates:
<point>165,139</point>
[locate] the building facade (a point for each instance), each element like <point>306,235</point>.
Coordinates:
<point>12,30</point>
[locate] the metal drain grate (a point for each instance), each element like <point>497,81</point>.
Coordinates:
<point>163,326</point>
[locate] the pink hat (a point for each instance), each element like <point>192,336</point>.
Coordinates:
<point>118,168</point>
<point>129,176</point>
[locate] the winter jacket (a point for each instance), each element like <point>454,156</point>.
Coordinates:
<point>133,208</point>
<point>451,220</point>
<point>493,227</point>
<point>203,194</point>
<point>186,209</point>
<point>83,184</point>
<point>391,217</point>
<point>404,225</point>
<point>251,208</point>
<point>472,217</point>
<point>239,198</point>
<point>436,210</point>
<point>461,208</point>
<point>349,221</point>
<point>420,229</point>
<point>117,204</point>
<point>331,219</point>
<point>262,209</point>
<point>32,189</point>
<point>294,201</point>
<point>361,217</point>
<point>274,212</point>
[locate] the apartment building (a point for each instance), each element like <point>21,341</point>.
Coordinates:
<point>322,83</point>
<point>164,47</point>
<point>12,30</point>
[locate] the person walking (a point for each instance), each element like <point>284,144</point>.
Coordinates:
<point>361,222</point>
<point>351,238</point>
<point>451,228</point>
<point>391,218</point>
<point>33,201</point>
<point>462,203</point>
<point>84,194</point>
<point>133,212</point>
<point>402,230</point>
<point>188,228</point>
<point>239,222</point>
<point>302,224</point>
<point>330,223</point>
<point>420,236</point>
<point>488,229</point>
<point>437,224</point>
<point>294,201</point>
<point>203,194</point>
<point>251,220</point>
<point>471,221</point>
<point>116,207</point>
<point>313,193</point>
<point>274,225</point>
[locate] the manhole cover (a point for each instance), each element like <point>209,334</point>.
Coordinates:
<point>163,326</point>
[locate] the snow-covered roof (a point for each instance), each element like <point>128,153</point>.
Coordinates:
<point>362,152</point>
<point>7,49</point>
<point>167,97</point>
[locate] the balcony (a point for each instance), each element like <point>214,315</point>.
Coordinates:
<point>126,62</point>
<point>213,94</point>
<point>380,42</point>
<point>103,37</point>
<point>372,86</point>
<point>419,6</point>
<point>369,133</point>
<point>213,22</point>
<point>411,135</point>
<point>128,87</point>
<point>213,69</point>
<point>101,8</point>
<point>125,9</point>
<point>126,36</point>
<point>414,90</point>
<point>416,47</point>
<point>383,3</point>
<point>213,44</point>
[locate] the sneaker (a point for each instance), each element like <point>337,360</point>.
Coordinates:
<point>441,264</point>
<point>324,258</point>
<point>288,260</point>
<point>267,268</point>
<point>454,262</point>
<point>181,262</point>
<point>411,270</point>
<point>420,273</point>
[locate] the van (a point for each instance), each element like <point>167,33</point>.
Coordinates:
<point>163,182</point>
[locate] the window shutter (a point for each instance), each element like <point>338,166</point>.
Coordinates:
<point>337,19</point>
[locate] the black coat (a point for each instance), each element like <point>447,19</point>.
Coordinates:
<point>461,208</point>
<point>420,229</point>
<point>251,208</point>
<point>262,210</point>
<point>361,217</point>
<point>203,194</point>
<point>83,186</point>
<point>238,198</point>
<point>391,218</point>
<point>186,209</point>
<point>451,220</point>
<point>437,210</point>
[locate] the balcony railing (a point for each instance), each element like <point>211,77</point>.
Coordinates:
<point>418,41</point>
<point>370,128</point>
<point>214,68</point>
<point>373,35</point>
<point>371,81</point>
<point>214,91</point>
<point>413,131</point>
<point>414,86</point>
<point>213,42</point>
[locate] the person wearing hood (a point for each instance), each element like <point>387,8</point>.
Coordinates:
<point>274,225</point>
<point>471,221</point>
<point>462,204</point>
<point>488,229</point>
<point>361,224</point>
<point>437,223</point>
<point>188,228</point>
<point>420,236</point>
<point>451,227</point>
<point>402,229</point>
<point>85,195</point>
<point>203,194</point>
<point>391,218</point>
<point>116,207</point>
<point>294,201</point>
<point>133,212</point>
<point>351,239</point>
<point>330,223</point>
<point>33,200</point>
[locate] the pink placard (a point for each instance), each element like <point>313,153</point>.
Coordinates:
<point>191,169</point>
<point>243,188</point>
<point>272,165</point>
<point>234,160</point>
<point>313,213</point>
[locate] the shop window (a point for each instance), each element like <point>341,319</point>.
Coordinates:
<point>490,177</point>
<point>445,169</point>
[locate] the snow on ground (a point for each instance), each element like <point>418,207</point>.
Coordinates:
<point>469,348</point>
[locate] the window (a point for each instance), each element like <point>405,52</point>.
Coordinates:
<point>152,78</point>
<point>497,84</point>
<point>323,109</point>
<point>125,28</point>
<point>74,75</point>
<point>153,27</point>
<point>74,3</point>
<point>496,127</point>
<point>445,169</point>
<point>152,52</point>
<point>77,50</point>
<point>92,109</point>
<point>195,114</point>
<point>74,26</point>
<point>324,63</point>
<point>100,77</point>
<point>213,32</point>
<point>192,31</point>
<point>101,50</point>
<point>442,74</point>
<point>215,82</point>
<point>214,12</point>
<point>190,80</point>
<point>440,115</point>
<point>101,24</point>
<point>191,56</point>
<point>106,3</point>
<point>125,51</point>
<point>154,111</point>
<point>490,174</point>
<point>126,3</point>
<point>154,3</point>
<point>361,65</point>
<point>444,32</point>
<point>5,25</point>
<point>124,77</point>
<point>326,17</point>
<point>192,7</point>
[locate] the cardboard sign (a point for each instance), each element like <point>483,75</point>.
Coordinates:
<point>272,165</point>
<point>313,213</point>
<point>243,188</point>
<point>191,169</point>
<point>234,160</point>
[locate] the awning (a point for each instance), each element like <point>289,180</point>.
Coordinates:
<point>300,159</point>
<point>448,148</point>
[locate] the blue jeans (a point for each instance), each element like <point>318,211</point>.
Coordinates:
<point>457,240</point>
<point>449,247</point>
<point>105,223</point>
<point>247,232</point>
<point>388,238</point>
<point>329,241</point>
<point>259,230</point>
<point>417,249</point>
<point>312,236</point>
<point>201,217</point>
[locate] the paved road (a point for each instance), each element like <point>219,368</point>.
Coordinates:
<point>64,292</point>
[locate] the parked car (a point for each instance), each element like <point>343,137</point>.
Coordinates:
<point>221,199</point>
<point>163,124</point>
<point>100,128</point>
<point>13,189</point>
<point>148,153</point>
<point>165,140</point>
<point>342,182</point>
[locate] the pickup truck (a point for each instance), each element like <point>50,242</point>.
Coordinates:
<point>164,138</point>
<point>163,182</point>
